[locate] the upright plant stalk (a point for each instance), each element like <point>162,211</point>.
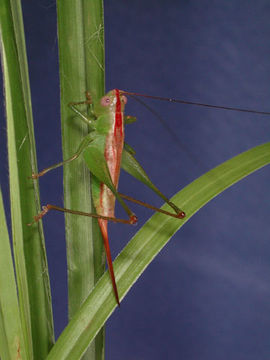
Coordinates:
<point>28,243</point>
<point>11,335</point>
<point>81,58</point>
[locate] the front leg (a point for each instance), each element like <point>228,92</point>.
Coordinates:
<point>89,120</point>
<point>129,119</point>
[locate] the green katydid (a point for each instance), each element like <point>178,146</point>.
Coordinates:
<point>105,152</point>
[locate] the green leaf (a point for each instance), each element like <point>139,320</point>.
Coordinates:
<point>11,337</point>
<point>145,245</point>
<point>81,61</point>
<point>28,242</point>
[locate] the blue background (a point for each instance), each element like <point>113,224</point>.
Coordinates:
<point>206,295</point>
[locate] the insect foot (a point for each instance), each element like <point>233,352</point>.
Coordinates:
<point>181,215</point>
<point>39,216</point>
<point>133,219</point>
<point>88,97</point>
<point>35,176</point>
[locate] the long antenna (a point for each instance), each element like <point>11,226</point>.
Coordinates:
<point>172,133</point>
<point>196,103</point>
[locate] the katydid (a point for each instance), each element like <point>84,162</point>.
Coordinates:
<point>105,152</point>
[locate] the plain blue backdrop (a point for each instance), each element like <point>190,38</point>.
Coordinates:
<point>206,295</point>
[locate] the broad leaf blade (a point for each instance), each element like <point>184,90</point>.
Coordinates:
<point>145,245</point>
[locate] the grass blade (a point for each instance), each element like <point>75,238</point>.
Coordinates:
<point>28,242</point>
<point>145,245</point>
<point>81,60</point>
<point>11,338</point>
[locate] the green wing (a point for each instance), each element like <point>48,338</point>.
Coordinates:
<point>132,166</point>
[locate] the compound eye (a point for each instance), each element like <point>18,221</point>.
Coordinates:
<point>105,101</point>
<point>124,99</point>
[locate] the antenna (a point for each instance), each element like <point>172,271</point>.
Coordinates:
<point>197,103</point>
<point>172,133</point>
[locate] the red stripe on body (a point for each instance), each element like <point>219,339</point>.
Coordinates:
<point>113,152</point>
<point>113,155</point>
<point>118,115</point>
